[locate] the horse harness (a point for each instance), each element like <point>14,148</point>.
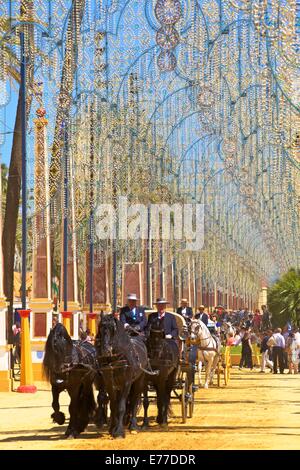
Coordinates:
<point>203,348</point>
<point>80,356</point>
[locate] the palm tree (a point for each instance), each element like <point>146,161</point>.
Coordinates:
<point>15,168</point>
<point>284,298</point>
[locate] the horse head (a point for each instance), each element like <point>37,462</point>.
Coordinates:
<point>198,331</point>
<point>228,329</point>
<point>58,350</point>
<point>106,335</point>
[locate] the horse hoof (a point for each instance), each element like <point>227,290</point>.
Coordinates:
<point>205,386</point>
<point>164,426</point>
<point>133,431</point>
<point>58,418</point>
<point>145,425</point>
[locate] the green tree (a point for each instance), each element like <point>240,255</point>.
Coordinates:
<point>284,299</point>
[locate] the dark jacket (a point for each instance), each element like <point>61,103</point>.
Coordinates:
<point>264,347</point>
<point>139,319</point>
<point>203,317</point>
<point>266,319</point>
<point>167,324</point>
<point>189,312</point>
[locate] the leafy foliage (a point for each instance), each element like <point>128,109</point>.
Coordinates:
<point>284,299</point>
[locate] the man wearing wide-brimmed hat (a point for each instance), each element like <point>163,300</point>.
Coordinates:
<point>164,320</point>
<point>202,315</point>
<point>132,315</point>
<point>184,309</point>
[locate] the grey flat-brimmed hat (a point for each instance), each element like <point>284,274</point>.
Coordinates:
<point>132,297</point>
<point>161,300</point>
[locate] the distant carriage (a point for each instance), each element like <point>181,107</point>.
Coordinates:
<point>184,388</point>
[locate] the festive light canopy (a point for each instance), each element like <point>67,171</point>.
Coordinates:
<point>170,101</point>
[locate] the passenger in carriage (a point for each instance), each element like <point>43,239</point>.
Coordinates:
<point>185,310</point>
<point>202,315</point>
<point>133,316</point>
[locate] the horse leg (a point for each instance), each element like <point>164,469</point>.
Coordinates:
<point>86,405</point>
<point>113,414</point>
<point>121,409</point>
<point>208,370</point>
<point>213,367</point>
<point>71,429</point>
<point>145,405</point>
<point>80,404</point>
<point>159,398</point>
<point>166,397</point>
<point>101,415</point>
<point>135,394</point>
<point>58,417</point>
<point>200,372</point>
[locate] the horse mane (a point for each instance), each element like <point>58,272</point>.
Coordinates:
<point>55,349</point>
<point>204,327</point>
<point>121,343</point>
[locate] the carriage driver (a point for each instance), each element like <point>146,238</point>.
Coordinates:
<point>163,320</point>
<point>133,316</point>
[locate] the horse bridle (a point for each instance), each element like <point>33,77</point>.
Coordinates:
<point>201,339</point>
<point>204,348</point>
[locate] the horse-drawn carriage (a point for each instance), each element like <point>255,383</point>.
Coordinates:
<point>184,387</point>
<point>212,351</point>
<point>224,366</point>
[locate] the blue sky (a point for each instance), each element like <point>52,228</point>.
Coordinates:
<point>8,126</point>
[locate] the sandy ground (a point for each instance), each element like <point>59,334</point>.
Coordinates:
<point>256,411</point>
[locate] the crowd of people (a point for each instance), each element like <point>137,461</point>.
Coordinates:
<point>278,349</point>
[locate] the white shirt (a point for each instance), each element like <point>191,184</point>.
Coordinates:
<point>237,340</point>
<point>279,340</point>
<point>297,338</point>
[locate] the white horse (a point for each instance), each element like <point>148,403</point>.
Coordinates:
<point>209,349</point>
<point>228,330</point>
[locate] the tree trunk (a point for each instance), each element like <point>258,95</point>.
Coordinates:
<point>14,180</point>
<point>11,216</point>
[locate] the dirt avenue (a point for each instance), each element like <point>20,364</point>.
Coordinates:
<point>255,411</point>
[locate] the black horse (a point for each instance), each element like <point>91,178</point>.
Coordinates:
<point>71,365</point>
<point>122,361</point>
<point>164,357</point>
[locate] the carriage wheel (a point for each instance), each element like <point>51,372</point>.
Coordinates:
<point>225,374</point>
<point>219,374</point>
<point>183,398</point>
<point>227,366</point>
<point>228,373</point>
<point>191,400</point>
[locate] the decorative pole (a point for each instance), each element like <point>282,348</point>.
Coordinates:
<point>149,261</point>
<point>41,303</point>
<point>92,316</point>
<point>26,383</point>
<point>65,313</point>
